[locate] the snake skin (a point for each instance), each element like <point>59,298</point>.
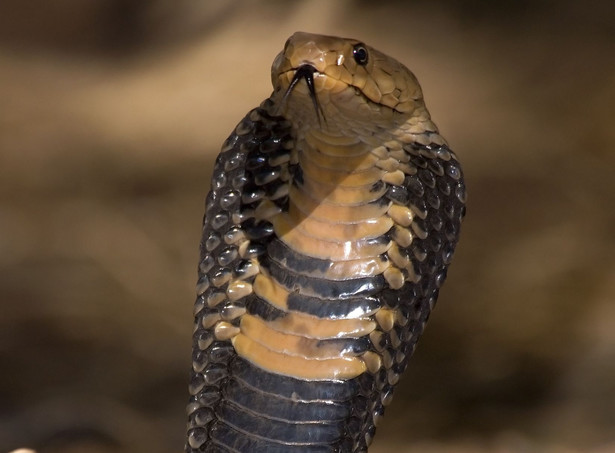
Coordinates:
<point>240,403</point>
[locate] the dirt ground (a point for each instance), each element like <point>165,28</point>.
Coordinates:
<point>111,114</point>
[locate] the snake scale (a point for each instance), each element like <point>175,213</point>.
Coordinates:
<point>334,212</point>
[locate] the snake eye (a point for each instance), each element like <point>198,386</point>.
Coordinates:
<point>359,52</point>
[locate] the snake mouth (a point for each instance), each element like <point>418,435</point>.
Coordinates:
<point>306,72</point>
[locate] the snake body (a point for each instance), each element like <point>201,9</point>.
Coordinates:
<point>334,212</point>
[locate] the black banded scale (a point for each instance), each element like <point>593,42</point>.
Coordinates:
<point>334,212</point>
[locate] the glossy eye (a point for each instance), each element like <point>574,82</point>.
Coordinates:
<point>359,52</point>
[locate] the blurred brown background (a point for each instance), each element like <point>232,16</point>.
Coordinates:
<point>111,114</point>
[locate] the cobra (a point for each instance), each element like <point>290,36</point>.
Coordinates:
<point>334,212</point>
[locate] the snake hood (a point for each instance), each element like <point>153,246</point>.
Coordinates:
<point>353,84</point>
<point>334,212</point>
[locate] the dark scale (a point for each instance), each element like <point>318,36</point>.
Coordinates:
<point>213,359</point>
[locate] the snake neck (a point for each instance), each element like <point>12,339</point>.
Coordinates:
<point>341,171</point>
<point>336,211</point>
<point>329,244</point>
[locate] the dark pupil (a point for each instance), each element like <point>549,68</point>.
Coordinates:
<point>360,55</point>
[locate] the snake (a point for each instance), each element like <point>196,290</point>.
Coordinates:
<point>334,212</point>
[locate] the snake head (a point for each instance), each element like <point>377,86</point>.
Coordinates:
<point>345,80</point>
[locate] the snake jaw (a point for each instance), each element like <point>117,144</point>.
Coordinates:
<point>306,72</point>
